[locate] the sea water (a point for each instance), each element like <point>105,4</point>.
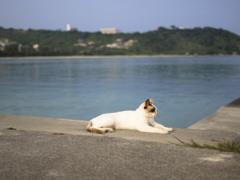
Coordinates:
<point>185,89</point>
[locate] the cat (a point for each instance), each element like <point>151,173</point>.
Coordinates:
<point>142,119</point>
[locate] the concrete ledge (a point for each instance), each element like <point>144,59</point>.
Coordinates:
<point>226,119</point>
<point>77,127</point>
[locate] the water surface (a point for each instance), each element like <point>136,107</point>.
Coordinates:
<point>185,89</point>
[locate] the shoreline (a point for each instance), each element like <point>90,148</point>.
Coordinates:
<point>106,56</point>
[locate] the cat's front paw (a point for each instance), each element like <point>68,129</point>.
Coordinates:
<point>169,129</point>
<point>163,132</point>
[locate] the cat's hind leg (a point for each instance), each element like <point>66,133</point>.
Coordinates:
<point>95,129</point>
<point>107,130</point>
<point>101,124</point>
<point>99,130</point>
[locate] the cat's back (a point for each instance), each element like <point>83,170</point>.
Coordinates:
<point>125,119</point>
<point>116,115</point>
<point>118,120</point>
<point>124,114</point>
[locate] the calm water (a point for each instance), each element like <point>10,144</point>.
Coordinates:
<point>185,89</point>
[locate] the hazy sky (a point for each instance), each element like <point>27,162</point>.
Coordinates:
<point>126,15</point>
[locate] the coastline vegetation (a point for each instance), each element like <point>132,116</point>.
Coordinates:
<point>163,41</point>
<point>222,145</point>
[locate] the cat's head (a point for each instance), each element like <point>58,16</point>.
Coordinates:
<point>149,109</point>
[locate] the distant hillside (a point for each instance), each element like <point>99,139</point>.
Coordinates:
<point>197,41</point>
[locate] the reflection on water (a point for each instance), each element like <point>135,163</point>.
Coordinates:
<point>185,89</point>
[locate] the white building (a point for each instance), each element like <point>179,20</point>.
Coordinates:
<point>5,42</point>
<point>183,28</point>
<point>36,47</point>
<point>69,28</point>
<point>109,31</point>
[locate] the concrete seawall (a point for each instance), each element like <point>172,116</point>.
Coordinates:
<point>227,118</point>
<point>49,148</point>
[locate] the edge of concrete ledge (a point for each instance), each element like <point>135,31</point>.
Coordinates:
<point>226,118</point>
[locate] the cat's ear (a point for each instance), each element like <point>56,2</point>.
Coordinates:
<point>151,101</point>
<point>146,104</point>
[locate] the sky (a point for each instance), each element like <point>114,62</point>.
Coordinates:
<point>125,15</point>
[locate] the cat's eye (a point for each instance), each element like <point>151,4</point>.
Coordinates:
<point>153,110</point>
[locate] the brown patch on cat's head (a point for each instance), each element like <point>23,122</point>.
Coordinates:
<point>147,103</point>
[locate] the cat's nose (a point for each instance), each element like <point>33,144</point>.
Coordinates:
<point>156,113</point>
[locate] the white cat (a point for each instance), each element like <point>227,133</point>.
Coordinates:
<point>142,119</point>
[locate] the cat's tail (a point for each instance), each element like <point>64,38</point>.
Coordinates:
<point>94,130</point>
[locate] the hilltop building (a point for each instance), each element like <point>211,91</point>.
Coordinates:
<point>69,28</point>
<point>109,31</point>
<point>183,28</point>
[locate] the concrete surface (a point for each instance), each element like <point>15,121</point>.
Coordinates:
<point>36,150</point>
<point>227,118</point>
<point>43,155</point>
